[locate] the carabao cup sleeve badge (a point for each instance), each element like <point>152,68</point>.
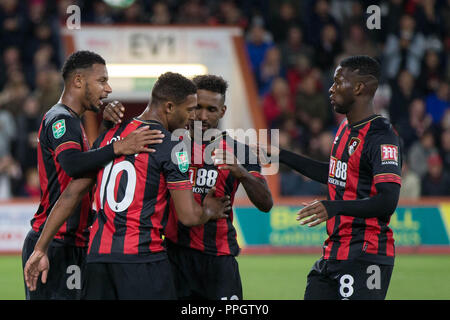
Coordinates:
<point>183,161</point>
<point>59,128</point>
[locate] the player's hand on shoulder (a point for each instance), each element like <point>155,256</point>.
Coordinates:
<point>315,211</point>
<point>36,264</point>
<point>214,207</point>
<point>137,141</point>
<point>114,112</point>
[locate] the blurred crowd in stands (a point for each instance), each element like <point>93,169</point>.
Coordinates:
<point>293,48</point>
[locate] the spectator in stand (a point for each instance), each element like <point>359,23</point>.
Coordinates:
<point>101,13</point>
<point>11,61</point>
<point>428,21</point>
<point>420,151</point>
<point>437,181</point>
<point>411,184</point>
<point>277,104</point>
<point>357,42</point>
<point>318,18</point>
<point>259,41</point>
<point>293,47</point>
<point>282,20</point>
<point>310,102</point>
<point>13,22</point>
<point>445,149</point>
<point>10,176</point>
<point>160,14</point>
<point>134,14</point>
<point>431,73</point>
<point>7,134</point>
<point>48,88</point>
<point>229,14</point>
<point>31,188</point>
<point>404,49</point>
<point>192,12</point>
<point>296,74</point>
<point>270,69</point>
<point>28,122</point>
<point>438,102</point>
<point>329,47</point>
<point>411,128</point>
<point>14,92</point>
<point>404,91</point>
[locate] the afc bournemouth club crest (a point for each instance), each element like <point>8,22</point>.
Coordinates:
<point>353,145</point>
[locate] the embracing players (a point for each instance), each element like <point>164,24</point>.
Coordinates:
<point>126,258</point>
<point>203,257</point>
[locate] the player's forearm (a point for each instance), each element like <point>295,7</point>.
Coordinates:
<point>381,205</point>
<point>76,163</point>
<point>62,210</point>
<point>315,170</point>
<point>257,191</point>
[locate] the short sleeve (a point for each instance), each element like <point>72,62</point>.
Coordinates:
<point>385,157</point>
<point>175,167</point>
<point>63,133</point>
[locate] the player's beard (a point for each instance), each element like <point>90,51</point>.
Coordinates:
<point>90,98</point>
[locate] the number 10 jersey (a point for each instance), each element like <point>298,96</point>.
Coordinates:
<point>131,199</point>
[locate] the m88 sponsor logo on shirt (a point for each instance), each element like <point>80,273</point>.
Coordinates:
<point>202,179</point>
<point>337,174</point>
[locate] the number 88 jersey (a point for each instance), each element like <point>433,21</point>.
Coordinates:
<point>215,237</point>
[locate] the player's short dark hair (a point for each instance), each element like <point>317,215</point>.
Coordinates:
<point>82,59</point>
<point>364,64</point>
<point>211,83</point>
<point>173,87</point>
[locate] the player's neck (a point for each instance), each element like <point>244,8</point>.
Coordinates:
<point>72,102</point>
<point>153,114</point>
<point>359,113</point>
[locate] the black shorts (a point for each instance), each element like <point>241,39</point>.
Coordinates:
<point>200,276</point>
<point>129,281</point>
<point>348,280</point>
<point>64,280</point>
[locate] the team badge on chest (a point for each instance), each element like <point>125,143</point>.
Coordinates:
<point>353,145</point>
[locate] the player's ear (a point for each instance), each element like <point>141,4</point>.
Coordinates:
<point>222,111</point>
<point>78,80</point>
<point>358,88</point>
<point>169,107</point>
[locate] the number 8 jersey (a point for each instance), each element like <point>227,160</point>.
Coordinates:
<point>363,154</point>
<point>131,199</point>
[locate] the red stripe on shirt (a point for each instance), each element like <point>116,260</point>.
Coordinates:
<point>131,241</point>
<point>222,225</point>
<point>371,233</point>
<point>160,206</point>
<point>63,180</point>
<point>66,146</point>
<point>43,179</point>
<point>387,177</point>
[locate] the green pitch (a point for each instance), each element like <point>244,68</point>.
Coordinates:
<point>271,277</point>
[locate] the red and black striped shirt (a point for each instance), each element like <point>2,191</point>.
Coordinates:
<point>214,237</point>
<point>363,154</point>
<point>131,199</point>
<point>61,129</point>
